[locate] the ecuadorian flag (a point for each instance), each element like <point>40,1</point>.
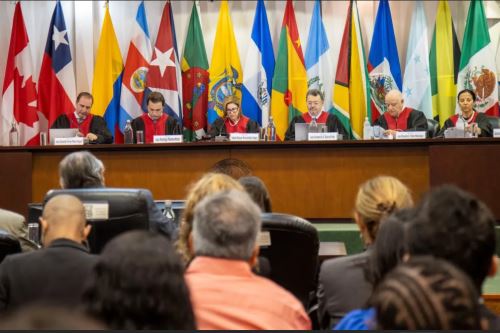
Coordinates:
<point>108,71</point>
<point>288,97</point>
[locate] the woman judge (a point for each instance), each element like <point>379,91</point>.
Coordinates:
<point>468,116</point>
<point>233,121</point>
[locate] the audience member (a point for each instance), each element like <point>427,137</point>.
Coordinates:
<point>82,169</point>
<point>155,121</point>
<point>138,284</point>
<point>257,190</point>
<point>56,273</point>
<point>90,126</point>
<point>224,291</point>
<point>210,183</point>
<point>15,224</point>
<point>232,167</point>
<point>40,317</point>
<point>456,226</point>
<point>342,285</point>
<point>316,111</point>
<point>426,294</point>
<point>399,118</point>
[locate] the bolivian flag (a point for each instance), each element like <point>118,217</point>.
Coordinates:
<point>288,97</point>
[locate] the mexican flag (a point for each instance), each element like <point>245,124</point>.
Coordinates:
<point>477,63</point>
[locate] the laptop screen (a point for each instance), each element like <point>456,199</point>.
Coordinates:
<point>61,133</point>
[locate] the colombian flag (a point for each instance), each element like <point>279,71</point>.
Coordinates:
<point>108,71</point>
<point>226,76</point>
<point>288,97</point>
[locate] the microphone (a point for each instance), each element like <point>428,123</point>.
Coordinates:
<point>220,137</point>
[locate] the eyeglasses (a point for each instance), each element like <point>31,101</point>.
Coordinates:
<point>235,109</point>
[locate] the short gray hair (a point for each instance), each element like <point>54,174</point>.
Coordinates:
<point>226,225</point>
<point>81,170</point>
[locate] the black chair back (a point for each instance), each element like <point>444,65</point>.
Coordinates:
<point>292,253</point>
<point>9,244</point>
<point>127,210</point>
<point>494,121</point>
<point>432,128</point>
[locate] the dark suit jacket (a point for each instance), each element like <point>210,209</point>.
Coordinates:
<point>55,275</point>
<point>342,287</point>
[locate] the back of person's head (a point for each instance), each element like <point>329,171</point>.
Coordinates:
<point>456,226</point>
<point>43,317</point>
<point>389,247</point>
<point>232,167</point>
<point>226,225</point>
<point>138,283</point>
<point>81,169</point>
<point>257,190</point>
<point>63,216</point>
<point>377,198</point>
<point>210,183</point>
<point>426,294</point>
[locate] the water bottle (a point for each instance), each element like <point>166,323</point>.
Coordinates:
<point>367,130</point>
<point>168,212</point>
<point>271,130</point>
<point>13,135</point>
<point>128,133</point>
<point>313,126</point>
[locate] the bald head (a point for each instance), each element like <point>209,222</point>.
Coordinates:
<point>394,103</point>
<point>64,217</point>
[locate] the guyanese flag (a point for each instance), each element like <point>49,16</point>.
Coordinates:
<point>288,98</point>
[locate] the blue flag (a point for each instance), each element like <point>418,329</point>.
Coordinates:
<point>383,61</point>
<point>259,70</point>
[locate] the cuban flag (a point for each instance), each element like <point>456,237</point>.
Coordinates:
<point>19,101</point>
<point>384,69</point>
<point>164,73</point>
<point>259,70</point>
<point>134,75</point>
<point>318,58</point>
<point>56,82</point>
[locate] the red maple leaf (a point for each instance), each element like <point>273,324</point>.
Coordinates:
<point>23,96</point>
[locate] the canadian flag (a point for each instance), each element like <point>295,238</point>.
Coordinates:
<point>19,102</point>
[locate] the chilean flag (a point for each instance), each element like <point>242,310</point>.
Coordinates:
<point>134,75</point>
<point>164,70</point>
<point>56,83</point>
<point>19,102</point>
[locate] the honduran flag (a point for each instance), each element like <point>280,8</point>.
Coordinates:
<point>56,82</point>
<point>108,73</point>
<point>319,74</point>
<point>134,74</point>
<point>164,73</point>
<point>259,69</point>
<point>19,102</point>
<point>383,61</point>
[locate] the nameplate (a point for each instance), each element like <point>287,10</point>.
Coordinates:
<point>75,141</point>
<point>411,135</point>
<point>167,138</point>
<point>243,136</point>
<point>327,136</point>
<point>96,210</point>
<point>496,132</point>
<point>264,238</point>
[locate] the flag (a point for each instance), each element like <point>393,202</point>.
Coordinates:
<point>383,61</point>
<point>19,102</point>
<point>495,36</point>
<point>194,80</point>
<point>135,72</point>
<point>417,80</point>
<point>259,69</point>
<point>290,77</point>
<point>351,100</point>
<point>443,60</point>
<point>226,76</point>
<point>477,63</point>
<point>164,73</point>
<point>108,71</point>
<point>318,58</point>
<point>56,82</point>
